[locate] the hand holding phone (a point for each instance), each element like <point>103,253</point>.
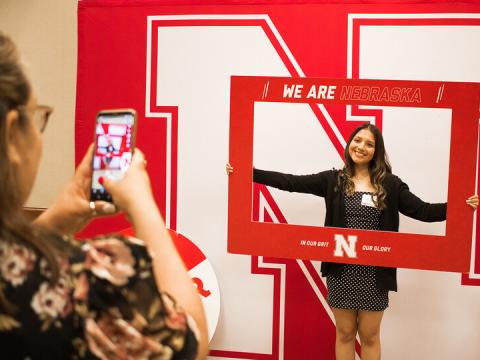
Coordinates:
<point>115,133</point>
<point>133,194</point>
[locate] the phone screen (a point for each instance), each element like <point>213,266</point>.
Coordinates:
<point>114,141</point>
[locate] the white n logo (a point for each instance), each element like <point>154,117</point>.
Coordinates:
<point>342,246</point>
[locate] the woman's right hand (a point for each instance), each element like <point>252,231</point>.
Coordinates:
<point>229,169</point>
<point>133,192</point>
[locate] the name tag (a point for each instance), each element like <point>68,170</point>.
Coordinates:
<point>367,200</point>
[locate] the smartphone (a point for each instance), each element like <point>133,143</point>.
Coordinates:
<point>115,133</point>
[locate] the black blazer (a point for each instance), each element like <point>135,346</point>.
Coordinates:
<point>399,199</point>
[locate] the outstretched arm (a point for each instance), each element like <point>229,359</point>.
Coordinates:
<point>412,206</point>
<point>309,184</point>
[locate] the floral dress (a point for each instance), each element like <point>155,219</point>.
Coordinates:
<point>106,305</point>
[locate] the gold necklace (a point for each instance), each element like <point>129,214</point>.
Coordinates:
<point>360,180</point>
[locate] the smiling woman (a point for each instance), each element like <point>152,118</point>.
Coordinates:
<point>101,299</point>
<point>364,194</point>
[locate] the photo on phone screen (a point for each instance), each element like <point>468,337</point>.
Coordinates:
<point>114,144</point>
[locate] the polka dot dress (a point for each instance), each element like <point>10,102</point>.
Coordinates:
<point>356,287</point>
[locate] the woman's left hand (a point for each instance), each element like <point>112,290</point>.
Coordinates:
<point>473,201</point>
<point>71,211</point>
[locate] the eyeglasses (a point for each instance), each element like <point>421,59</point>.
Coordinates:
<point>41,115</point>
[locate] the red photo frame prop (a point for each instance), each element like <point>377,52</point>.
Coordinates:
<point>450,252</point>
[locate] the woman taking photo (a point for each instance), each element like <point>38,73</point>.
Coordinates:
<point>363,195</point>
<point>60,299</point>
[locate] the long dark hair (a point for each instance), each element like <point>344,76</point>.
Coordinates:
<point>378,167</point>
<point>15,91</point>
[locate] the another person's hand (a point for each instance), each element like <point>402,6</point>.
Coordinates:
<point>133,192</point>
<point>71,211</point>
<point>229,169</point>
<point>473,201</point>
